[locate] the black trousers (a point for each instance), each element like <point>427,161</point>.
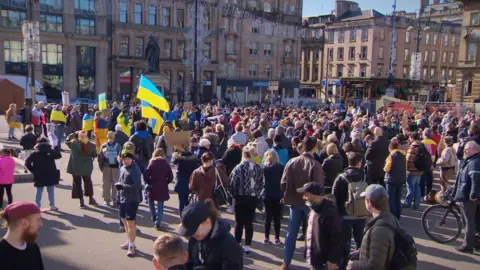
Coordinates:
<point>77,191</point>
<point>273,210</point>
<point>244,212</point>
<point>7,188</point>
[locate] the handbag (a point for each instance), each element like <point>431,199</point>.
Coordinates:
<point>220,194</point>
<point>260,203</point>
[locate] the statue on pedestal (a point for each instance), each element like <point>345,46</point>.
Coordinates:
<point>152,53</point>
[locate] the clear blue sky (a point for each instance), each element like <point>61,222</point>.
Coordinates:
<point>318,7</point>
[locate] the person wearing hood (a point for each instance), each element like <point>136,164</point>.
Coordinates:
<point>262,145</point>
<point>222,141</point>
<point>143,142</point>
<point>109,166</point>
<point>186,163</point>
<point>354,173</point>
<point>203,179</point>
<point>80,165</point>
<point>210,244</point>
<point>41,163</point>
<point>332,166</point>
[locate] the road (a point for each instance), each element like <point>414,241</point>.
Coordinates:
<point>74,238</point>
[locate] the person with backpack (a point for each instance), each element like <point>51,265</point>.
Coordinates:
<point>385,245</point>
<point>351,177</point>
<point>143,142</point>
<point>108,164</point>
<point>418,160</point>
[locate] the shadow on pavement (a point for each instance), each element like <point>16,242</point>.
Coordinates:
<point>53,263</point>
<point>431,266</point>
<point>444,254</point>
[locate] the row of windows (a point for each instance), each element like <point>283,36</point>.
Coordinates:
<point>287,71</point>
<point>341,35</point>
<point>351,53</point>
<point>253,48</point>
<point>165,19</point>
<point>52,54</point>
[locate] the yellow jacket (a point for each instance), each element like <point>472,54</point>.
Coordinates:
<point>57,116</point>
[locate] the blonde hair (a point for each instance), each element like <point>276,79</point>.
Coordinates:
<point>158,153</point>
<point>219,127</point>
<point>331,149</point>
<point>271,158</point>
<point>167,249</point>
<point>247,152</point>
<point>253,148</point>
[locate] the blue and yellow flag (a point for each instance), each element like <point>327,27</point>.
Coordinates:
<point>102,101</point>
<point>149,112</point>
<point>87,122</point>
<point>148,92</point>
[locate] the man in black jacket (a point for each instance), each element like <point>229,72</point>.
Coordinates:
<point>376,155</point>
<point>324,234</point>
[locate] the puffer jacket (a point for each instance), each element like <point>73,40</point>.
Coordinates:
<point>378,243</point>
<point>413,154</point>
<point>467,184</point>
<point>395,167</point>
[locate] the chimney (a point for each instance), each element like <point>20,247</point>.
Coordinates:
<point>343,6</point>
<point>423,5</point>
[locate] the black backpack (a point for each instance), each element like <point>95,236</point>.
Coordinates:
<point>405,253</point>
<point>424,159</point>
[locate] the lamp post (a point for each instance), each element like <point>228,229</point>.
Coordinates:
<point>417,46</point>
<point>390,91</point>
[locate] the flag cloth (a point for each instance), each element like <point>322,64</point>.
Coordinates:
<point>87,123</point>
<point>184,116</point>
<point>102,101</point>
<point>149,112</point>
<point>148,92</point>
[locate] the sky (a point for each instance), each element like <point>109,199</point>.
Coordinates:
<point>319,7</point>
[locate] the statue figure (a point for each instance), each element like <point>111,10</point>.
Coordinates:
<point>152,52</point>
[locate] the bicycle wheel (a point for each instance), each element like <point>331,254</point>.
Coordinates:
<point>441,223</point>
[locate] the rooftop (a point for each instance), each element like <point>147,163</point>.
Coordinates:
<point>361,15</point>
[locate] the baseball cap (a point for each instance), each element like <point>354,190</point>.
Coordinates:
<point>192,216</point>
<point>374,192</point>
<point>312,187</point>
<point>19,210</point>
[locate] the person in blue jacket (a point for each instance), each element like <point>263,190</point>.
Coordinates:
<point>279,149</point>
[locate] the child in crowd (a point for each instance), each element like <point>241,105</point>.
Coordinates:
<point>7,170</point>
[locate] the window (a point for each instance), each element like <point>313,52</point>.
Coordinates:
<point>85,27</point>
<point>235,25</point>
<point>124,46</point>
<point>289,71</point>
<point>207,50</point>
<point>454,40</point>
<point>87,5</point>
<point>468,88</point>
<point>254,29</point>
<point>51,3</point>
<point>181,49</point>
<point>432,73</point>
<point>13,51</point>
<point>425,57</point>
<point>405,72</point>
<point>253,48</point>
<point>363,70</point>
<point>138,13</point>
<point>52,54</point>
<point>353,35</point>
<point>381,53</point>
<point>168,48</point>
<point>180,18</point>
<point>351,70</point>
<point>268,28</point>
<point>330,35</point>
<point>138,47</point>
<point>252,70</point>
<point>351,53</point>
<point>231,44</point>
<point>51,23</point>
<point>232,70</point>
<point>380,71</point>
<point>267,49</point>
<point>288,50</point>
<point>252,4</point>
<point>427,39</point>
<point>341,36</point>
<point>122,12</point>
<point>425,74</point>
<point>267,7</point>
<point>363,52</point>
<point>13,19</point>
<point>434,56</point>
<point>407,55</point>
<point>435,39</point>
<point>452,57</point>
<point>450,74</point>
<point>407,37</point>
<point>340,54</point>
<point>471,53</point>
<point>364,34</point>
<point>382,34</point>
<point>445,41</point>
<point>180,82</point>
<point>166,17</point>
<point>339,71</point>
<point>152,15</point>
<point>444,74</point>
<point>475,19</point>
<point>330,54</point>
<point>208,19</point>
<point>267,71</point>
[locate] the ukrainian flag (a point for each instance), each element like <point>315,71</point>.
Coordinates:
<point>148,92</point>
<point>87,123</point>
<point>149,112</point>
<point>102,101</point>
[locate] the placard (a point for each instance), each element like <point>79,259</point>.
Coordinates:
<point>177,138</point>
<point>187,106</point>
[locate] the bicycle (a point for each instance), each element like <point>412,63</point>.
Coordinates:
<point>451,219</point>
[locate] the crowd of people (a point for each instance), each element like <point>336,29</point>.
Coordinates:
<point>342,174</point>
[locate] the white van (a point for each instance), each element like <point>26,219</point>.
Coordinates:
<point>24,82</point>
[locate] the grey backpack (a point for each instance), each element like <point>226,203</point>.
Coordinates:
<point>355,205</point>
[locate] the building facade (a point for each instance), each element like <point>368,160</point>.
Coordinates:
<point>468,69</point>
<point>74,45</point>
<point>440,12</point>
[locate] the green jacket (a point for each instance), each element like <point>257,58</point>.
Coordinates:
<point>80,163</point>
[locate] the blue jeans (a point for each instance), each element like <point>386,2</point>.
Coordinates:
<point>11,132</point>
<point>297,215</point>
<point>182,201</point>
<point>51,195</point>
<point>59,131</point>
<point>413,191</point>
<point>156,215</point>
<point>395,199</point>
